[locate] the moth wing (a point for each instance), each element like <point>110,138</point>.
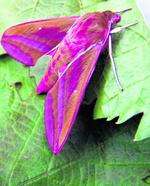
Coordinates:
<point>28,41</point>
<point>63,100</point>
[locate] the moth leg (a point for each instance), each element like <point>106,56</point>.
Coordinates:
<point>122,28</point>
<point>113,64</point>
<point>116,30</point>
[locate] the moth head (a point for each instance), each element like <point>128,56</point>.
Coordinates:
<point>116,17</point>
<point>112,17</point>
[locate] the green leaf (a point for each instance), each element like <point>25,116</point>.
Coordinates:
<point>132,56</point>
<point>98,153</point>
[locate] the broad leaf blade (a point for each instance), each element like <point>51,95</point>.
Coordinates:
<point>132,56</point>
<point>97,153</point>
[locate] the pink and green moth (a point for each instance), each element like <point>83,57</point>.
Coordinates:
<point>74,44</point>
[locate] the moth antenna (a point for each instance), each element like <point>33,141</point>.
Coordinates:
<point>121,28</point>
<point>114,67</point>
<point>123,11</point>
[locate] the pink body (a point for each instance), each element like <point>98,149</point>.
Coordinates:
<point>90,29</point>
